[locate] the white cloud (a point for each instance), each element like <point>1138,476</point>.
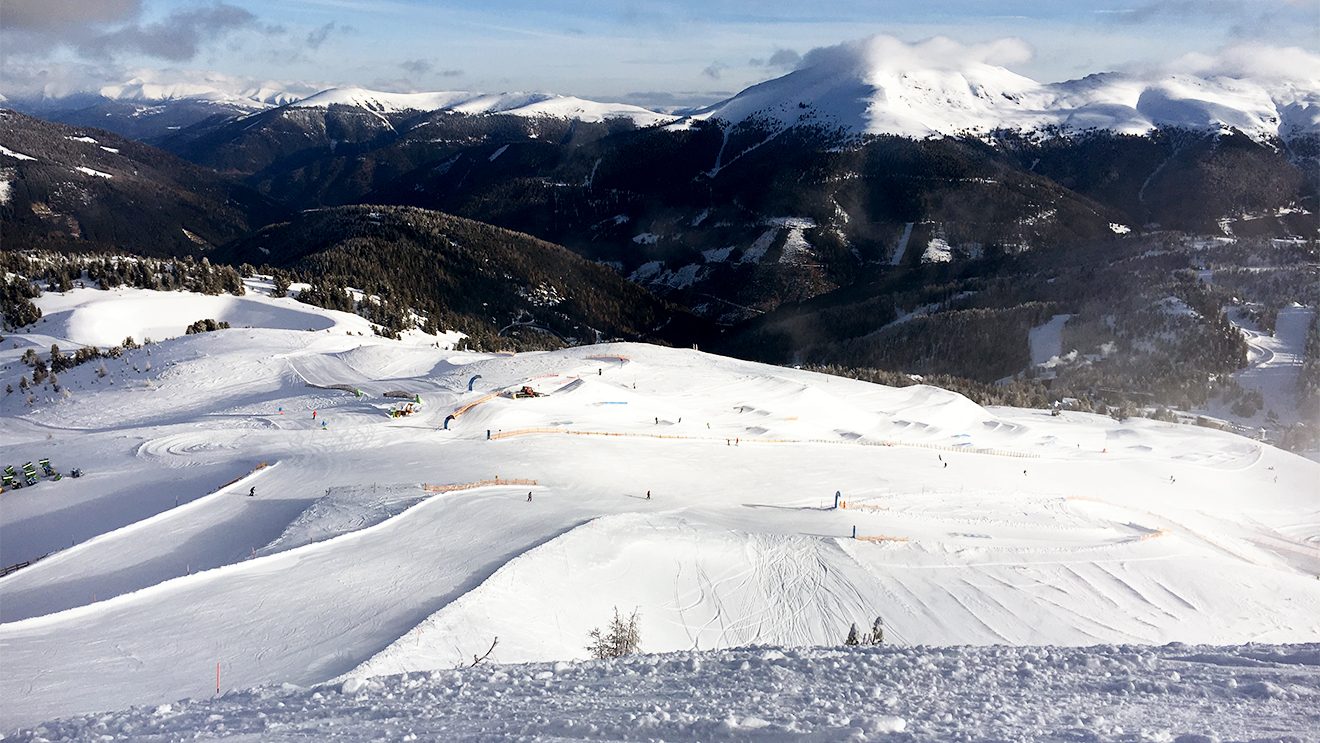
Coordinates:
<point>1258,62</point>
<point>938,52</point>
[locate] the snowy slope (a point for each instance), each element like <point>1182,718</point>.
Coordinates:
<point>975,526</point>
<point>1101,693</point>
<point>1274,365</point>
<point>104,318</point>
<point>880,85</point>
<point>210,89</point>
<point>516,104</point>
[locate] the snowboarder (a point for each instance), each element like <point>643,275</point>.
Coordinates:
<point>657,420</point>
<point>529,496</point>
<point>648,495</point>
<point>946,465</point>
<point>313,415</point>
<point>252,491</point>
<point>600,372</point>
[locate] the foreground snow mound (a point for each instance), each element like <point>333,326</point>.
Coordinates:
<point>1100,693</point>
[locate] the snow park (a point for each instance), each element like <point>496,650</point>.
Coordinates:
<point>293,529</point>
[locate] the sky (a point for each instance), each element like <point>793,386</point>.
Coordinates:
<point>682,52</point>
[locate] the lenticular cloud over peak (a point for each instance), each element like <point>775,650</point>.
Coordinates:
<point>890,54</point>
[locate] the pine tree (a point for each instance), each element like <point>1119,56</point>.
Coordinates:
<point>620,638</point>
<point>281,288</point>
<point>58,362</point>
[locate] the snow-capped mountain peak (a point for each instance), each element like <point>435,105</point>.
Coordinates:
<point>881,85</point>
<point>242,94</point>
<point>458,101</point>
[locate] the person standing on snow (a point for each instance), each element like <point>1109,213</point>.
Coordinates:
<point>253,491</point>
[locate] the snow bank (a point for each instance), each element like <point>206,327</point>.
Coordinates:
<point>1100,693</point>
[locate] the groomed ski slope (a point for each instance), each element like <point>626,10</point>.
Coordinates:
<point>1041,530</point>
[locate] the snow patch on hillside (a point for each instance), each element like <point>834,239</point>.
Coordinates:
<point>16,155</point>
<point>937,250</point>
<point>1046,340</point>
<point>759,246</point>
<point>95,173</point>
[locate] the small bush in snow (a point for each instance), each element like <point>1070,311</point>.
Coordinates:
<point>206,326</point>
<point>620,638</point>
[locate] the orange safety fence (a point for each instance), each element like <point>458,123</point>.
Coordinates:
<point>856,442</point>
<point>484,398</point>
<point>258,468</point>
<point>879,538</point>
<point>477,484</point>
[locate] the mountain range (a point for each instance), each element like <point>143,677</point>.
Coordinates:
<point>802,216</point>
<point>876,85</point>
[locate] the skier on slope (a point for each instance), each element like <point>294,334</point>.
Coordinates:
<point>252,491</point>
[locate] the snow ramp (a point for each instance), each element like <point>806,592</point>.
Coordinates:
<point>695,586</point>
<point>300,616</point>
